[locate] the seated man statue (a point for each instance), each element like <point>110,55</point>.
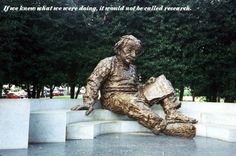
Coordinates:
<point>122,93</point>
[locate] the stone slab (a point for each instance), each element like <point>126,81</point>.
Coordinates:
<point>201,130</point>
<point>91,129</point>
<point>208,107</point>
<point>14,123</point>
<point>96,115</point>
<point>217,131</point>
<point>57,104</point>
<point>53,104</point>
<point>85,130</point>
<point>47,126</point>
<point>222,132</point>
<point>219,118</point>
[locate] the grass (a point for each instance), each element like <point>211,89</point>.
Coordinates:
<point>65,97</point>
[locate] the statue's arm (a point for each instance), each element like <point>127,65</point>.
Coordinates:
<point>94,82</point>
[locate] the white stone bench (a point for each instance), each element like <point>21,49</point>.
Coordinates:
<point>96,115</point>
<point>214,121</point>
<point>50,126</point>
<point>91,129</point>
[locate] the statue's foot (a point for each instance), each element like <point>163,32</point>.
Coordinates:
<point>159,127</point>
<point>185,130</point>
<point>179,118</point>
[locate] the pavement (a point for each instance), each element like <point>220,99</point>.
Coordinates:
<point>134,144</point>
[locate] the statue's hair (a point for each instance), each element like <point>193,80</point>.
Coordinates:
<point>123,41</point>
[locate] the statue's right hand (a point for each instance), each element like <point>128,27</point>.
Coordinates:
<point>83,107</point>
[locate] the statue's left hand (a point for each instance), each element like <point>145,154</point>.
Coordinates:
<point>151,80</point>
<point>84,107</point>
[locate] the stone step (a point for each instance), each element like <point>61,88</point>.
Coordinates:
<point>91,129</point>
<point>218,131</point>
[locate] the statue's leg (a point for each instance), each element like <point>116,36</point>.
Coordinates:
<point>136,109</point>
<point>170,105</point>
<point>160,89</point>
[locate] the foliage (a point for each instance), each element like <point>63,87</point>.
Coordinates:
<point>195,49</point>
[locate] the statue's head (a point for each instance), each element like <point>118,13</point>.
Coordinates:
<point>127,48</point>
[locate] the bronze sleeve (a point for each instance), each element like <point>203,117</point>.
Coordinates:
<point>98,76</point>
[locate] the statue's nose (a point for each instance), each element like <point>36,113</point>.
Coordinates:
<point>133,54</point>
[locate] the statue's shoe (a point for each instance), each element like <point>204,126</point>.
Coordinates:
<point>179,118</point>
<point>186,130</point>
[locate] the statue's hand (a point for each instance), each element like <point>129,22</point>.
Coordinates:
<point>90,109</point>
<point>151,80</point>
<point>84,107</point>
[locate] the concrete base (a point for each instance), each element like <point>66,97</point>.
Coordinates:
<point>47,126</point>
<point>50,117</point>
<point>14,124</point>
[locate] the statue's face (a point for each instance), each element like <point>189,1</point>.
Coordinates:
<point>129,52</point>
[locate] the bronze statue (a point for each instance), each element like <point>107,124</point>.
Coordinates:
<point>121,92</point>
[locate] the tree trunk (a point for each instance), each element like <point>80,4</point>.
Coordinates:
<point>212,93</point>
<point>208,98</point>
<point>28,91</point>
<point>42,92</point>
<point>193,96</point>
<point>214,90</point>
<point>51,91</point>
<point>181,94</point>
<point>34,91</point>
<point>214,98</point>
<point>1,90</point>
<point>72,91</point>
<point>38,91</point>
<point>77,93</point>
<point>229,99</point>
